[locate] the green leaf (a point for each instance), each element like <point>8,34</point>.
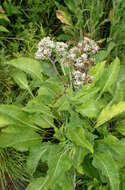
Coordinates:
<point>19,138</point>
<point>84,96</point>
<point>118,95</point>
<point>42,115</point>
<point>36,151</point>
<point>21,79</point>
<point>62,104</point>
<point>115,146</point>
<point>97,71</point>
<point>101,55</point>
<point>88,168</point>
<point>66,182</point>
<point>27,65</point>
<point>37,184</point>
<point>4,121</point>
<point>89,109</point>
<point>58,165</point>
<point>52,88</point>
<point>110,112</point>
<point>78,136</point>
<point>15,115</point>
<point>78,157</point>
<point>3,29</point>
<point>112,76</point>
<point>47,69</point>
<point>4,17</point>
<point>105,163</point>
<point>121,127</point>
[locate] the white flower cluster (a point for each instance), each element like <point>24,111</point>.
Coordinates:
<point>61,49</point>
<point>45,47</point>
<point>78,78</point>
<point>88,45</point>
<point>79,56</point>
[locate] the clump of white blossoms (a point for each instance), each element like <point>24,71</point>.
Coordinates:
<point>79,57</point>
<point>44,48</point>
<point>61,49</point>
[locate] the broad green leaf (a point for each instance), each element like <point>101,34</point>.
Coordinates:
<point>36,151</point>
<point>111,46</point>
<point>110,112</point>
<point>112,75</point>
<point>97,71</point>
<point>78,136</point>
<point>3,29</point>
<point>84,96</point>
<point>105,163</point>
<point>37,184</point>
<point>42,115</point>
<point>51,88</point>
<point>115,146</point>
<point>21,79</point>
<point>101,56</point>
<point>58,164</point>
<point>66,182</point>
<point>16,115</point>
<point>78,157</point>
<point>89,109</point>
<point>4,121</point>
<point>88,168</point>
<point>28,65</point>
<point>47,69</point>
<point>62,104</point>
<point>19,138</point>
<point>59,134</point>
<point>118,95</point>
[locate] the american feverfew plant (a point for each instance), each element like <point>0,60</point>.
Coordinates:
<point>73,139</point>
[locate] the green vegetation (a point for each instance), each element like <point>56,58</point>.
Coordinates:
<point>56,132</point>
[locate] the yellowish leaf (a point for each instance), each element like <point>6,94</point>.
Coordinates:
<point>63,17</point>
<point>110,112</point>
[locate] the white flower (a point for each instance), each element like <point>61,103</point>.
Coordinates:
<point>77,75</point>
<point>71,56</point>
<point>80,44</point>
<point>78,78</point>
<point>74,49</point>
<point>61,48</point>
<point>77,84</point>
<point>79,62</point>
<point>73,53</point>
<point>61,45</point>
<point>83,76</point>
<point>86,48</point>
<point>84,56</point>
<point>45,47</point>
